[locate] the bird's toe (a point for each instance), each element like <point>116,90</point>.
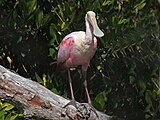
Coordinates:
<point>93,109</point>
<point>72,103</point>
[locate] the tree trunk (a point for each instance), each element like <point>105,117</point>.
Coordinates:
<point>35,100</point>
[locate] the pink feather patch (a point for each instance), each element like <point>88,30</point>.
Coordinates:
<point>68,42</point>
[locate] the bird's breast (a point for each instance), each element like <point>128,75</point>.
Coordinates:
<point>82,53</point>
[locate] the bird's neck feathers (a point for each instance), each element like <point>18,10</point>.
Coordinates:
<point>89,32</point>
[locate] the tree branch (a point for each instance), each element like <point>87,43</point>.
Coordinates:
<point>35,100</point>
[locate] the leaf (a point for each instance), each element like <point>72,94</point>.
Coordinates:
<point>13,117</point>
<point>2,113</point>
<point>107,2</point>
<point>148,97</point>
<point>19,39</point>
<point>52,31</point>
<point>131,79</point>
<point>55,91</point>
<point>96,5</point>
<point>1,104</point>
<point>62,25</point>
<point>115,105</point>
<point>30,6</point>
<point>99,67</point>
<point>7,106</point>
<point>8,117</point>
<point>51,52</point>
<point>23,54</point>
<point>140,6</point>
<point>142,84</point>
<point>147,116</point>
<point>44,80</point>
<point>100,99</point>
<point>39,19</point>
<point>46,19</point>
<point>122,21</point>
<point>39,80</point>
<point>158,92</point>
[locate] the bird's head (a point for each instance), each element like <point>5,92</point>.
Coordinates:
<point>92,19</point>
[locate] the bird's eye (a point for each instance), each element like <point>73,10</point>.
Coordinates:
<point>88,15</point>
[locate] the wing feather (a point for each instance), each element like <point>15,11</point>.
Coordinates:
<point>64,52</point>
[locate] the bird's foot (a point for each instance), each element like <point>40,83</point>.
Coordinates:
<point>74,114</point>
<point>73,103</point>
<point>85,110</point>
<point>93,109</point>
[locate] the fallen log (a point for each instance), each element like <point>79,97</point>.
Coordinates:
<point>34,100</point>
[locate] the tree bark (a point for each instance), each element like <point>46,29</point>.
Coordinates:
<point>35,100</point>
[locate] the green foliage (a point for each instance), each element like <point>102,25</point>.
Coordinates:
<point>7,112</point>
<point>100,100</point>
<point>125,69</point>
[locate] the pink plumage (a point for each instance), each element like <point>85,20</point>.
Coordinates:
<point>74,52</point>
<point>78,48</point>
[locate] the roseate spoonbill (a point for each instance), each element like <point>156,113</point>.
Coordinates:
<point>78,48</point>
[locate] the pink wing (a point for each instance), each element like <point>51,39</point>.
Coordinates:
<point>64,52</point>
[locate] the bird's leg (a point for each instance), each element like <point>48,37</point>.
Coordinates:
<point>87,93</point>
<point>70,84</point>
<point>72,102</point>
<point>85,86</point>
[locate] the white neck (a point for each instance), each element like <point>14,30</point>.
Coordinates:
<point>89,32</point>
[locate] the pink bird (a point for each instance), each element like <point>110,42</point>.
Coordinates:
<point>78,48</point>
